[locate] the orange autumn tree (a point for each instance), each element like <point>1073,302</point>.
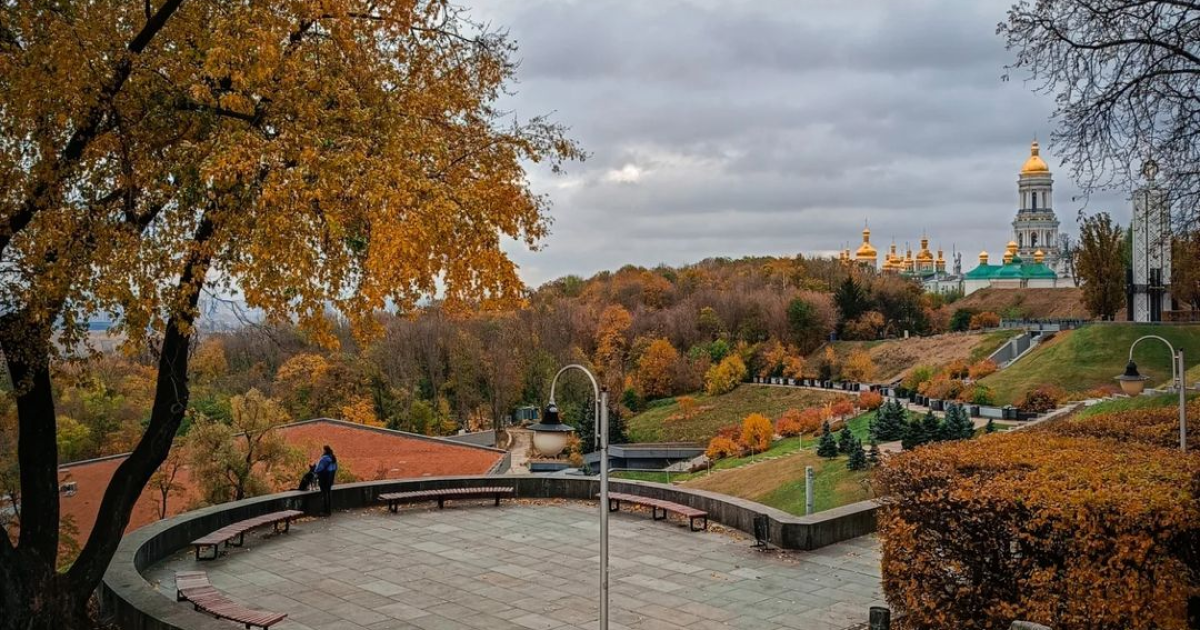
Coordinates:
<point>341,154</point>
<point>612,344</point>
<point>656,369</point>
<point>757,432</point>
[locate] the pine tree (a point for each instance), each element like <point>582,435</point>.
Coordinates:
<point>958,425</point>
<point>858,457</point>
<point>827,447</point>
<point>912,437</point>
<point>873,455</point>
<point>890,421</point>
<point>931,428</point>
<point>845,441</point>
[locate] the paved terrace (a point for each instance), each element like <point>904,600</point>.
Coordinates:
<point>533,566</point>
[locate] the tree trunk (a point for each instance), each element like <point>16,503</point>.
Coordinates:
<point>41,602</point>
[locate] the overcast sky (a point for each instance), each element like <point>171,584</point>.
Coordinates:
<point>768,127</point>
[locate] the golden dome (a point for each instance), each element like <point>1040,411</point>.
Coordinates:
<point>1008,257</point>
<point>924,254</point>
<point>866,253</point>
<point>983,257</point>
<point>1039,256</point>
<point>1012,247</point>
<point>1034,165</point>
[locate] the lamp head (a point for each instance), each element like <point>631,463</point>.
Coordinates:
<point>550,416</point>
<point>1132,382</point>
<point>550,435</point>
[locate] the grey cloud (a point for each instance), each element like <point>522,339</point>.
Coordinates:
<point>773,126</point>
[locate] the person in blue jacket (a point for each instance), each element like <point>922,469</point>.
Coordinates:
<point>325,470</point>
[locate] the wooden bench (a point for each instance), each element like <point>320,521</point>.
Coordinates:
<point>238,530</point>
<point>655,505</point>
<point>193,587</point>
<point>394,499</point>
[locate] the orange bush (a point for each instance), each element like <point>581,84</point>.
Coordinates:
<point>983,320</point>
<point>957,369</point>
<point>1068,532</point>
<point>942,387</point>
<point>982,369</point>
<point>757,432</point>
<point>1158,426</point>
<point>1041,399</point>
<point>870,401</point>
<point>721,447</point>
<point>842,407</point>
<point>795,422</point>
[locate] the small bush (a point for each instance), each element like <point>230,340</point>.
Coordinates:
<point>842,407</point>
<point>982,369</point>
<point>870,401</point>
<point>983,395</point>
<point>1041,399</point>
<point>987,319</point>
<point>795,422</point>
<point>721,447</point>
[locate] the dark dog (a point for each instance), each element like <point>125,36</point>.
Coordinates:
<point>309,480</point>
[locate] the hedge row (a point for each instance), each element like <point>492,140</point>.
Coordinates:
<point>1157,426</point>
<point>1072,532</point>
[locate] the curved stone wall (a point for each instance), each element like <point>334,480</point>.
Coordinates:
<point>135,605</point>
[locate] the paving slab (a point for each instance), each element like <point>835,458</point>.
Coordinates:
<point>533,566</point>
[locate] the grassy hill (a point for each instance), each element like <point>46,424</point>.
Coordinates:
<point>895,357</point>
<point>664,423</point>
<point>1028,303</point>
<point>1090,357</point>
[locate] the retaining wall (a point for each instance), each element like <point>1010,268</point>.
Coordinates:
<point>134,604</point>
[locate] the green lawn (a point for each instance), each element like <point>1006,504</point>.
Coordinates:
<point>833,485</point>
<point>663,422</point>
<point>779,448</point>
<point>1090,357</point>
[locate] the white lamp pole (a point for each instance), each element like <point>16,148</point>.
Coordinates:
<point>602,438</point>
<point>1132,382</point>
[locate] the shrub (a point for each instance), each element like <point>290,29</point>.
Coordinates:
<point>916,376</point>
<point>957,369</point>
<point>794,422</point>
<point>986,319</point>
<point>870,401</point>
<point>960,321</point>
<point>942,387</point>
<point>1041,399</point>
<point>983,395</point>
<point>721,447</point>
<point>982,369</point>
<point>757,432</point>
<point>841,407</point>
<point>858,367</point>
<point>1157,426</point>
<point>725,376</point>
<point>1067,532</point>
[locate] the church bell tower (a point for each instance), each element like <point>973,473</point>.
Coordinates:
<point>1036,226</point>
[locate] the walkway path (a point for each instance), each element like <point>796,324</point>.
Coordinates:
<point>520,443</point>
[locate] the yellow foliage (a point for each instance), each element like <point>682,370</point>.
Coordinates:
<point>757,432</point>
<point>725,376</point>
<point>361,411</point>
<point>858,367</point>
<point>656,369</point>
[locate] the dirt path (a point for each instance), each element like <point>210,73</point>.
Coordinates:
<point>522,441</point>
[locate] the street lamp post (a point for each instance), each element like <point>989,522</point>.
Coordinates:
<point>1133,383</point>
<point>601,394</point>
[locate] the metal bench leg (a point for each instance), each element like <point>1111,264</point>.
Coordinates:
<point>614,505</point>
<point>497,499</point>
<point>393,506</point>
<point>654,513</point>
<point>441,502</point>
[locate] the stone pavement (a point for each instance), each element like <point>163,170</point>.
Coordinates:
<point>533,566</point>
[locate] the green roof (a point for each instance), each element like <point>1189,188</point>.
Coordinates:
<point>1016,270</point>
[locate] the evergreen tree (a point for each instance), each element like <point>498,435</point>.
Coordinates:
<point>912,437</point>
<point>991,426</point>
<point>931,428</point>
<point>858,457</point>
<point>845,441</point>
<point>958,425</point>
<point>873,455</point>
<point>827,447</point>
<point>890,421</point>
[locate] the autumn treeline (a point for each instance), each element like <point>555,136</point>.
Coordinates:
<point>647,333</point>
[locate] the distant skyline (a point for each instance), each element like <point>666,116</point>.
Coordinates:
<point>773,127</point>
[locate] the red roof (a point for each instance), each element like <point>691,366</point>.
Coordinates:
<point>367,452</point>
